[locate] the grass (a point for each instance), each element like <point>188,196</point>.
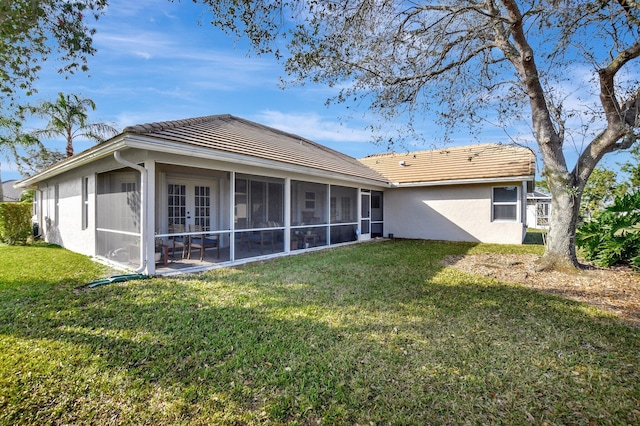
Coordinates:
<point>535,236</point>
<point>378,332</point>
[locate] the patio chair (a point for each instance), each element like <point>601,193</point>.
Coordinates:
<point>264,237</point>
<point>201,242</point>
<point>176,240</point>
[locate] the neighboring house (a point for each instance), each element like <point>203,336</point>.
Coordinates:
<point>538,210</point>
<point>469,193</point>
<point>162,191</point>
<point>9,192</point>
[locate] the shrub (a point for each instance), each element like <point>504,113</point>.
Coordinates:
<point>614,235</point>
<point>15,222</point>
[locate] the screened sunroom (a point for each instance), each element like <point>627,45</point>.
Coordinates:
<point>230,217</point>
<point>195,193</point>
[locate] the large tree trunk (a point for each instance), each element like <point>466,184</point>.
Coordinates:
<point>565,200</point>
<point>560,250</point>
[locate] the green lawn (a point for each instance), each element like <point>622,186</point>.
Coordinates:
<point>377,332</point>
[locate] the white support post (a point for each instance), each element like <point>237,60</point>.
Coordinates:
<point>287,215</point>
<point>232,223</point>
<point>150,211</point>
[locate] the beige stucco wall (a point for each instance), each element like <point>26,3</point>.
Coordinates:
<point>452,213</point>
<point>66,230</point>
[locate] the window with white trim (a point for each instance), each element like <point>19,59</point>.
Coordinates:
<point>542,213</point>
<point>505,203</point>
<point>85,202</point>
<point>56,204</point>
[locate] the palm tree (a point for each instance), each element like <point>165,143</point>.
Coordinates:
<point>68,117</point>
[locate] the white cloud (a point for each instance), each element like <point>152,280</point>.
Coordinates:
<point>132,42</point>
<point>119,9</point>
<point>143,55</point>
<point>312,126</point>
<point>129,118</point>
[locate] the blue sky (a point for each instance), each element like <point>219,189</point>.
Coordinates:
<point>159,60</point>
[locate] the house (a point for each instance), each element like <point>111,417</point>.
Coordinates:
<point>9,193</point>
<point>538,210</point>
<point>220,190</point>
<point>469,193</point>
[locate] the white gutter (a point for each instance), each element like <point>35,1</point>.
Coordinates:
<point>143,210</point>
<point>85,157</point>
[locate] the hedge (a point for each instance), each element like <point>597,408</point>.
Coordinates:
<point>15,222</point>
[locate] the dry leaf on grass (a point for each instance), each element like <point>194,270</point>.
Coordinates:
<point>612,290</point>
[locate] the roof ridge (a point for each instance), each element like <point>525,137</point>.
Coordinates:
<point>449,148</point>
<point>171,124</point>
<point>383,154</point>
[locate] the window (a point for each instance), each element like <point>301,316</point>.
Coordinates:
<point>346,209</point>
<point>505,203</point>
<point>177,204</point>
<point>202,201</point>
<point>344,204</point>
<point>310,200</point>
<point>241,213</point>
<point>56,204</point>
<point>85,203</point>
<point>542,213</point>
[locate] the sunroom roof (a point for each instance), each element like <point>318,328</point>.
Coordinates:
<point>235,135</point>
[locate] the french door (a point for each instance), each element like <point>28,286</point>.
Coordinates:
<point>189,203</point>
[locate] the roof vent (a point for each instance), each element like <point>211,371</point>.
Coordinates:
<point>402,163</point>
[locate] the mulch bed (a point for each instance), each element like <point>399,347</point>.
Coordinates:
<point>614,290</point>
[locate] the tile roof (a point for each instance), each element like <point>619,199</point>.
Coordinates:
<point>235,135</point>
<point>474,162</point>
<point>9,192</point>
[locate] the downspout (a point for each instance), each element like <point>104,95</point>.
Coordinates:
<point>143,210</point>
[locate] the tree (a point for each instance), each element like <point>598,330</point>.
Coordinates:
<point>632,169</point>
<point>599,192</point>
<point>34,32</point>
<point>541,185</point>
<point>68,117</point>
<point>12,137</point>
<point>471,62</point>
<point>36,158</point>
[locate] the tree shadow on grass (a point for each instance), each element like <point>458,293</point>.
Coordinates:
<point>332,337</point>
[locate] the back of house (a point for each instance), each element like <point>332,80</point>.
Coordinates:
<point>231,190</point>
